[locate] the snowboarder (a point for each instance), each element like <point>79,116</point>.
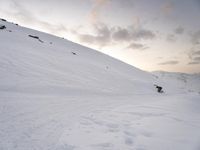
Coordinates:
<point>2,27</point>
<point>159,88</point>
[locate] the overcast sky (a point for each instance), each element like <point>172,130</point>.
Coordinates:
<point>149,34</point>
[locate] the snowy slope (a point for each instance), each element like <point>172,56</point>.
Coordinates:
<point>182,82</point>
<point>58,95</point>
<point>28,65</point>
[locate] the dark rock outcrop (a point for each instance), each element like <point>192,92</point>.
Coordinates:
<point>2,27</point>
<point>73,53</point>
<point>36,37</point>
<point>4,20</point>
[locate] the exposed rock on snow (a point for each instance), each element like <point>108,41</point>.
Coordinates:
<point>3,20</point>
<point>35,37</point>
<point>2,27</point>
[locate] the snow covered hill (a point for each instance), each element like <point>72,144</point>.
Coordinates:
<point>58,95</point>
<point>182,82</point>
<point>54,65</point>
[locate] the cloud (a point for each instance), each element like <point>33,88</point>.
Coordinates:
<point>125,3</point>
<point>139,34</point>
<point>195,38</point>
<point>196,59</point>
<point>137,46</point>
<point>196,53</point>
<point>159,57</point>
<point>193,63</point>
<point>20,12</point>
<point>101,37</point>
<point>97,6</point>
<point>194,56</point>
<point>24,16</point>
<point>171,38</point>
<point>131,33</point>
<point>179,30</point>
<point>167,8</point>
<point>172,62</point>
<point>121,34</point>
<point>104,35</point>
<point>193,53</point>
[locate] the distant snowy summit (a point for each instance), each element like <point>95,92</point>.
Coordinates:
<point>179,82</point>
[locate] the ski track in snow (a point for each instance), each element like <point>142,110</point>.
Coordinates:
<point>107,122</point>
<point>136,126</point>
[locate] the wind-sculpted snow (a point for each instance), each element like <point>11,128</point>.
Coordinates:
<point>58,95</point>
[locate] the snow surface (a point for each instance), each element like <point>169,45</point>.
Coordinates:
<point>58,95</point>
<point>182,82</point>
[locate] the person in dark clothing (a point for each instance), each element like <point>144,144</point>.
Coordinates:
<point>159,89</point>
<point>2,27</point>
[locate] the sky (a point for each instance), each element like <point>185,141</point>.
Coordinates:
<point>148,34</point>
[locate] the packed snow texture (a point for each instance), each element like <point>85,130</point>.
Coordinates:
<point>58,95</point>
